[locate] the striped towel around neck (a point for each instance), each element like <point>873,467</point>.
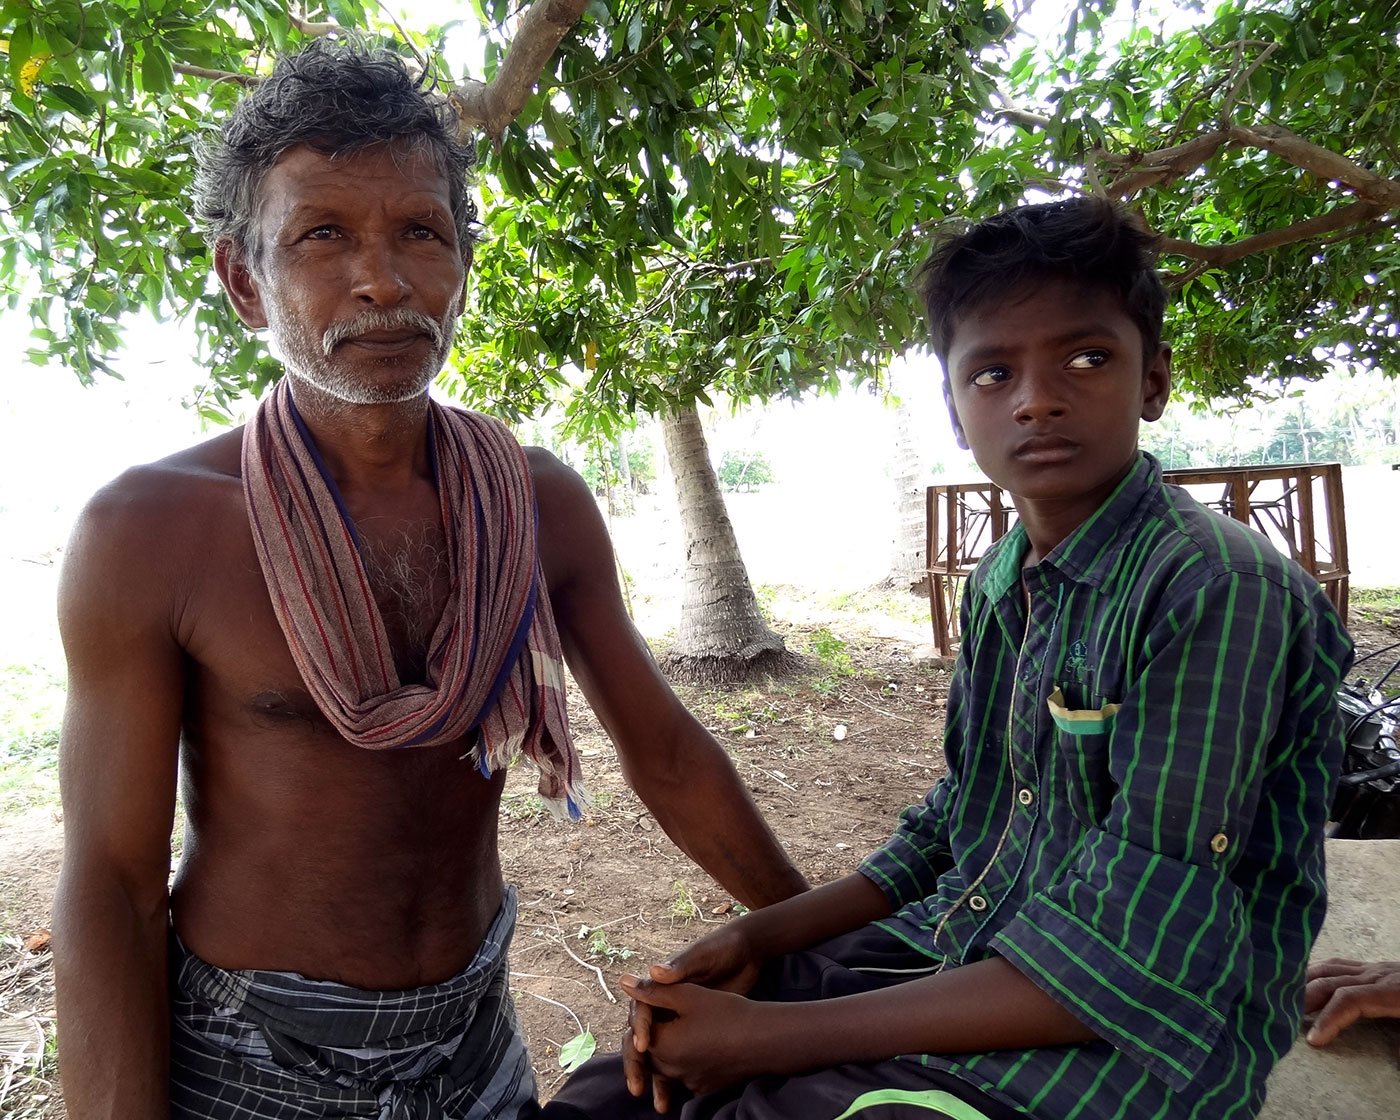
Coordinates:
<point>494,661</point>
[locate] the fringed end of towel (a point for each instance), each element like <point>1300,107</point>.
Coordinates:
<point>571,807</point>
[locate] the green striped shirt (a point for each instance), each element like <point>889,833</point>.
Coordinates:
<point>1142,741</point>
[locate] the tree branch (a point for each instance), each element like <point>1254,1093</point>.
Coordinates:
<point>1024,118</point>
<point>491,106</point>
<point>317,30</point>
<point>1151,169</point>
<point>1322,162</point>
<point>248,80</point>
<point>1237,86</point>
<point>1214,256</point>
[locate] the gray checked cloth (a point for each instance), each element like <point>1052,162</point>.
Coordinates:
<point>262,1045</point>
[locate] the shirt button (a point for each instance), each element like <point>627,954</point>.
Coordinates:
<point>1025,797</point>
<point>977,902</point>
<point>1219,842</point>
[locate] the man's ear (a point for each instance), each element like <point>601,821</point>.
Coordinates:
<point>243,288</point>
<point>958,433</point>
<point>468,255</point>
<point>1157,384</point>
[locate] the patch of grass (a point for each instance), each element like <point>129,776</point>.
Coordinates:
<point>830,651</point>
<point>684,908</point>
<point>599,946</point>
<point>902,606</point>
<point>523,807</point>
<point>1383,600</point>
<point>31,712</point>
<point>744,711</point>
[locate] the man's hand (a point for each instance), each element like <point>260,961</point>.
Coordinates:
<point>1341,992</point>
<point>707,1039</point>
<point>724,961</point>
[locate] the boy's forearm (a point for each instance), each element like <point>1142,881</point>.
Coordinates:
<point>987,1005</point>
<point>814,916</point>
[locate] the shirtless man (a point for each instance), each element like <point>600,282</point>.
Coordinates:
<point>334,940</point>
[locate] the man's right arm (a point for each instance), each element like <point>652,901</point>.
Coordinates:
<point>118,763</point>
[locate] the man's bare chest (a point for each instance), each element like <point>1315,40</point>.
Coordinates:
<point>238,654</point>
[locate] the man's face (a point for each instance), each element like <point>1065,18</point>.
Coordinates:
<point>1047,389</point>
<point>361,276</point>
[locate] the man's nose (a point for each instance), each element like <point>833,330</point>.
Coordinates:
<point>380,278</point>
<point>1040,396</point>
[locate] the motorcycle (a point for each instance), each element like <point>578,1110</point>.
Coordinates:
<point>1366,805</point>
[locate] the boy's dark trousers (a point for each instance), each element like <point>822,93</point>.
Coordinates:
<point>899,1089</point>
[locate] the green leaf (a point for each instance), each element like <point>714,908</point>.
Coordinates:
<point>157,76</point>
<point>74,99</point>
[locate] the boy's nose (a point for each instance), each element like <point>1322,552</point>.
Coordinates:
<point>1040,398</point>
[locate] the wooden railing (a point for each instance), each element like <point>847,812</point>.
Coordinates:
<point>1298,507</point>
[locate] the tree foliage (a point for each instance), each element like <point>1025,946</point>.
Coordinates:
<point>704,197</point>
<point>744,470</point>
<point>1263,143</point>
<point>101,109</point>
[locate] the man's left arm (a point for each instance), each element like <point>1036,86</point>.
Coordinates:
<point>678,769</point>
<point>1208,847</point>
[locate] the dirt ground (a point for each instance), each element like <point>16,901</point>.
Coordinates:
<point>831,758</point>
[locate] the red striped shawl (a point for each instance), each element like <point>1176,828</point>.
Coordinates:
<point>494,662</point>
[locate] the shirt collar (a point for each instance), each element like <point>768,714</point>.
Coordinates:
<point>1085,555</point>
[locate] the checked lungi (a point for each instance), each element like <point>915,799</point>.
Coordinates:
<point>262,1045</point>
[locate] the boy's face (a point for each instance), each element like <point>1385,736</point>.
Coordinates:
<point>1047,388</point>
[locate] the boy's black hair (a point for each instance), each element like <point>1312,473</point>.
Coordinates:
<point>1088,241</point>
<point>337,98</point>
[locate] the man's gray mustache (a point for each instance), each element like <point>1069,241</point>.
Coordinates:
<point>380,319</point>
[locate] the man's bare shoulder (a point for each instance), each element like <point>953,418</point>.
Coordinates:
<point>558,487</point>
<point>573,540</point>
<point>153,487</point>
<point>150,517</point>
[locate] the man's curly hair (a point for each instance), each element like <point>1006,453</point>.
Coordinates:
<point>335,98</point>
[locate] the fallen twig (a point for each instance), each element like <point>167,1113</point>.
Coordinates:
<point>598,972</point>
<point>577,1021</point>
<point>873,708</point>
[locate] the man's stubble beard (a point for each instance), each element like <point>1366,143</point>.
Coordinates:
<point>312,360</point>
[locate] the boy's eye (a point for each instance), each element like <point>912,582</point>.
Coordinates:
<point>990,376</point>
<point>1089,359</point>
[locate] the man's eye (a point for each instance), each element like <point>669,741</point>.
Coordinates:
<point>990,376</point>
<point>320,233</point>
<point>424,233</point>
<point>1090,359</point>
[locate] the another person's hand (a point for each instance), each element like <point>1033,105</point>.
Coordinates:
<point>1341,992</point>
<point>723,960</point>
<point>701,1037</point>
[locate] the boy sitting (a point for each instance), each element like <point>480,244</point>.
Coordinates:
<point>1106,906</point>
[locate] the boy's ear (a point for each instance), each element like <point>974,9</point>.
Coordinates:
<point>243,288</point>
<point>1157,384</point>
<point>958,433</point>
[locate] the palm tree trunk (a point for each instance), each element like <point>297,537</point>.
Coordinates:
<point>723,636</point>
<point>908,565</point>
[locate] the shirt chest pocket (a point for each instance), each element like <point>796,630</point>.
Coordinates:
<point>1081,738</point>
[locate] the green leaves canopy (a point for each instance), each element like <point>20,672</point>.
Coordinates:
<point>704,197</point>
<point>699,198</point>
